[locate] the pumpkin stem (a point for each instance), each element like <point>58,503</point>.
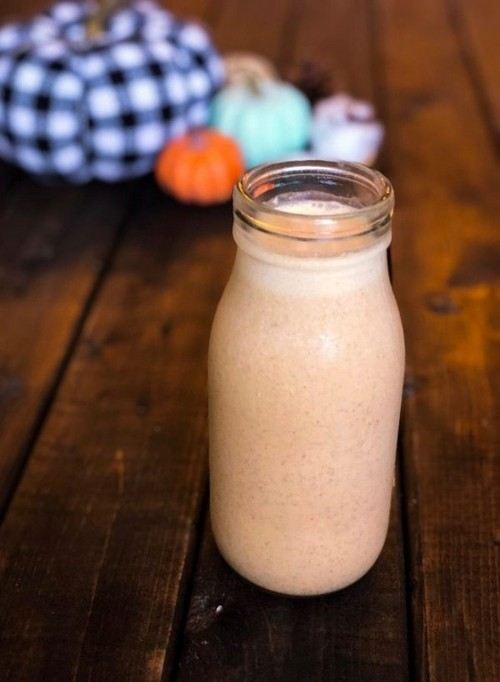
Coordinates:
<point>253,83</point>
<point>97,19</point>
<point>197,137</point>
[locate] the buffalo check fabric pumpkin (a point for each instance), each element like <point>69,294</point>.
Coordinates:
<point>78,109</point>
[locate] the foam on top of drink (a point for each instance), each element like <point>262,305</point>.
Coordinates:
<point>319,207</point>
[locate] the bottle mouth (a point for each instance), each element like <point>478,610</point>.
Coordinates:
<point>315,201</point>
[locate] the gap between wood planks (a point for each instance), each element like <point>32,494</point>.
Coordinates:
<point>11,478</point>
<point>56,249</point>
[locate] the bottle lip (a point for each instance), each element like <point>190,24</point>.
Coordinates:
<point>371,218</point>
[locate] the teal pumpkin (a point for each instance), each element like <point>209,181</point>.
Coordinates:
<point>269,119</point>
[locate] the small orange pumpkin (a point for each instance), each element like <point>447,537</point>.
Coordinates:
<point>200,167</point>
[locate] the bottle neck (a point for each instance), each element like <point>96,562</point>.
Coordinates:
<point>288,274</point>
<point>299,255</point>
<point>313,209</point>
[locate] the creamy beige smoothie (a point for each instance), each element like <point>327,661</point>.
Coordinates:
<point>305,377</point>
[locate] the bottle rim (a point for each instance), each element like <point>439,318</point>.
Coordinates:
<point>367,199</point>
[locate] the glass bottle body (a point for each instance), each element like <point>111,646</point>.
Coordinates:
<point>306,367</point>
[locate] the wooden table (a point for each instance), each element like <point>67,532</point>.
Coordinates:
<point>108,569</point>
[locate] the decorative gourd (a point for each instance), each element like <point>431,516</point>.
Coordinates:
<point>345,129</point>
<point>94,91</point>
<point>240,66</point>
<point>269,119</point>
<point>200,167</point>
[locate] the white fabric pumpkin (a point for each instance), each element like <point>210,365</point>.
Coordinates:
<point>344,128</point>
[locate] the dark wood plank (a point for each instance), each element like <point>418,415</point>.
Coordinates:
<point>335,35</point>
<point>445,264</point>
<point>13,10</point>
<point>102,526</point>
<point>235,631</point>
<point>251,26</point>
<point>190,9</point>
<point>9,176</point>
<point>478,26</point>
<point>54,243</point>
<point>53,246</point>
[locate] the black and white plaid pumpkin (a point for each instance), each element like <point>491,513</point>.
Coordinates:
<point>81,109</point>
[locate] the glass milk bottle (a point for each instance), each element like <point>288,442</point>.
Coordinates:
<point>305,378</point>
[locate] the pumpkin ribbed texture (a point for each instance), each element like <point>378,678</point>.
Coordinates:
<point>200,167</point>
<point>269,119</point>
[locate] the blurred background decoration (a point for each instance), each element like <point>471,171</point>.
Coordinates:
<point>91,94</point>
<point>200,167</point>
<point>345,128</point>
<point>96,90</point>
<point>268,118</point>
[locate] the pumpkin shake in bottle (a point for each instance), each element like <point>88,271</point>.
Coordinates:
<point>305,377</point>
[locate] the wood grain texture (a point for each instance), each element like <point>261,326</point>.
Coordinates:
<point>13,10</point>
<point>235,631</point>
<point>256,26</point>
<point>335,35</point>
<point>446,243</point>
<point>478,28</point>
<point>190,9</point>
<point>54,242</point>
<point>53,246</point>
<point>102,525</point>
